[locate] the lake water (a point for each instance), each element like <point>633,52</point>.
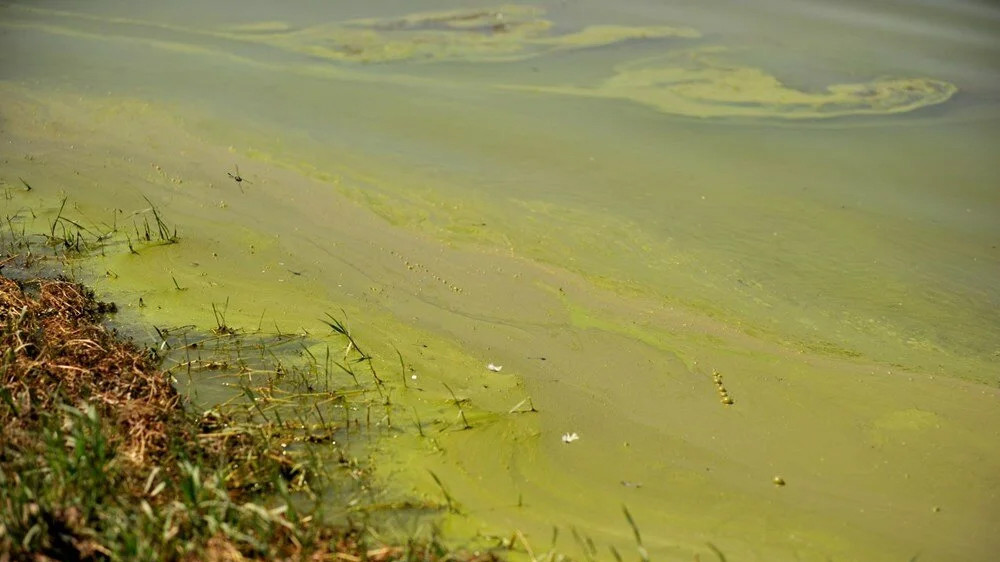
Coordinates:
<point>613,200</point>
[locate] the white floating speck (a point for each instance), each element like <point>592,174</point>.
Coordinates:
<point>570,437</point>
<point>494,368</point>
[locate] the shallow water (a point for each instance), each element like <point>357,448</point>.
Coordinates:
<point>801,196</point>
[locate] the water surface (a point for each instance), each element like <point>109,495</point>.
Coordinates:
<point>798,195</point>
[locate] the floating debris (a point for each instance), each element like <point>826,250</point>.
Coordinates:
<point>495,368</point>
<point>723,393</point>
<point>517,407</point>
<point>778,481</point>
<point>570,437</point>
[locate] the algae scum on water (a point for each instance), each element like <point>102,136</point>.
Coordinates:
<point>221,444</point>
<point>531,264</point>
<point>694,77</point>
<point>695,81</point>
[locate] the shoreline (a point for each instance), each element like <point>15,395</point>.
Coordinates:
<point>103,459</point>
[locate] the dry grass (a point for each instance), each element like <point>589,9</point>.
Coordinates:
<point>58,352</point>
<point>99,459</point>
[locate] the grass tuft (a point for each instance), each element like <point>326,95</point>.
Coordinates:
<point>100,459</point>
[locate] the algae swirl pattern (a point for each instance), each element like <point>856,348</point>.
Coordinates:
<point>702,81</point>
<point>691,77</point>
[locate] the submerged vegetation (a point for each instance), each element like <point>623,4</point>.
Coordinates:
<point>70,236</point>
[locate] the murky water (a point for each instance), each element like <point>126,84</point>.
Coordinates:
<point>612,200</point>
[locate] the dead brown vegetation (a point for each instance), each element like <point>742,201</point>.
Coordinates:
<point>99,459</point>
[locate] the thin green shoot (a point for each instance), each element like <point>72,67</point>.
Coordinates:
<point>458,404</point>
<point>643,554</point>
<point>450,501</point>
<point>718,553</point>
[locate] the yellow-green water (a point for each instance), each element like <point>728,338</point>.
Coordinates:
<point>800,196</point>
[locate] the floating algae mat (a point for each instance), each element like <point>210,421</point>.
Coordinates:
<point>700,83</point>
<point>499,34</point>
<point>697,82</point>
<point>731,270</point>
